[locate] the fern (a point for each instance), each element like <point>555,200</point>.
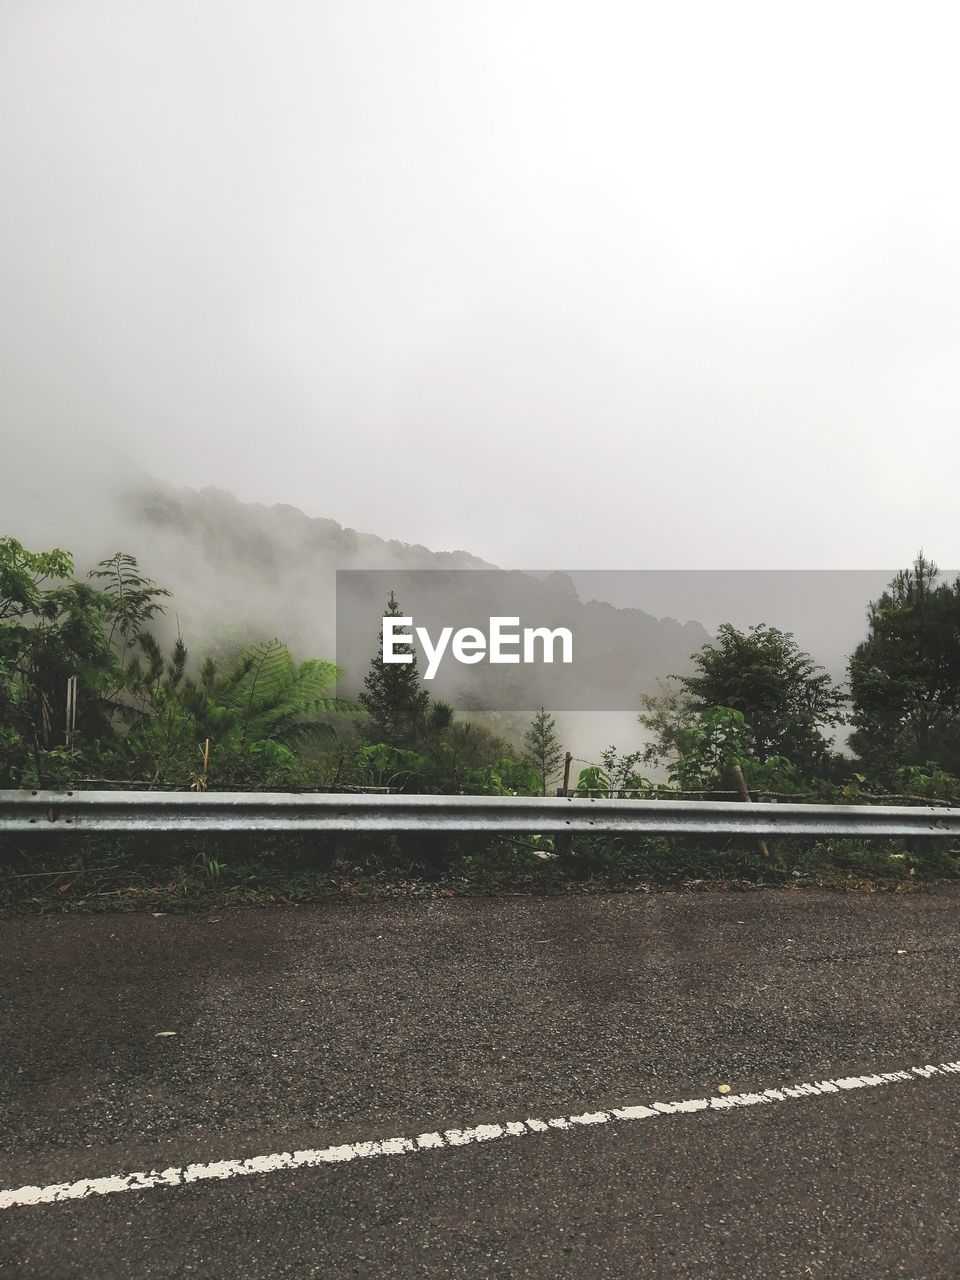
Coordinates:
<point>266,696</point>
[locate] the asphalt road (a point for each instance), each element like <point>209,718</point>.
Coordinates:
<point>311,1027</point>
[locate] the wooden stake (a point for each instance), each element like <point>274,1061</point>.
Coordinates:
<point>566,772</point>
<point>200,784</point>
<point>71,721</point>
<point>748,799</point>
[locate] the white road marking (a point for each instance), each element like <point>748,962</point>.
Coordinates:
<point>183,1175</point>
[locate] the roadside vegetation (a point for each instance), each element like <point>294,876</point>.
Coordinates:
<point>91,698</point>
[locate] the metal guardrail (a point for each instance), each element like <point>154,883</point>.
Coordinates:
<point>23,812</point>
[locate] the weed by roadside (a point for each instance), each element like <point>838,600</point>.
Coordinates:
<point>127,874</point>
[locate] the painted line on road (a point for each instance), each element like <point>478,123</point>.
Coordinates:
<point>185,1175</point>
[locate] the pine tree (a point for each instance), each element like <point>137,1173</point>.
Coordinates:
<point>392,697</point>
<point>543,748</point>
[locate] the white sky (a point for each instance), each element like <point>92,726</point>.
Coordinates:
<point>602,285</point>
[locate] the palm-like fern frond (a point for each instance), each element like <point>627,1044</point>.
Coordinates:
<point>269,696</point>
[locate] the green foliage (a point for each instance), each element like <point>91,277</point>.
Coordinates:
<point>141,714</point>
<point>392,696</point>
<point>543,748</point>
<point>514,777</point>
<point>260,717</point>
<point>777,773</point>
<point>160,734</point>
<point>785,699</point>
<point>621,769</point>
<point>380,765</point>
<point>717,742</point>
<point>147,713</point>
<point>617,774</point>
<point>22,574</point>
<point>905,676</point>
<point>664,715</point>
<point>120,874</point>
<point>928,782</point>
<point>593,779</point>
<point>51,629</point>
<point>458,759</point>
<point>709,749</point>
<point>270,697</point>
<point>135,600</point>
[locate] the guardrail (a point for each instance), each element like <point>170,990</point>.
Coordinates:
<point>25,812</point>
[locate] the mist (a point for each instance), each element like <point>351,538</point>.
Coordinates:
<point>613,286</point>
<point>534,285</point>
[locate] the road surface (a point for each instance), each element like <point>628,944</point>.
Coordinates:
<point>486,1087</point>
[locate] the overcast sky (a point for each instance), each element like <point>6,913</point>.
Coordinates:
<point>602,285</point>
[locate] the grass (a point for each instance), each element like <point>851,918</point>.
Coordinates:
<point>126,874</point>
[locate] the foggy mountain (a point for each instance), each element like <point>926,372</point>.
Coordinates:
<point>242,572</point>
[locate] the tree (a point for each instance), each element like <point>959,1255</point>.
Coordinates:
<point>543,748</point>
<point>786,699</point>
<point>665,715</point>
<point>135,600</point>
<point>159,736</point>
<point>393,697</point>
<point>51,629</point>
<point>905,677</point>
